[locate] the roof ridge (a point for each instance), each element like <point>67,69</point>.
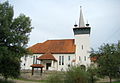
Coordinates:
<point>54,46</point>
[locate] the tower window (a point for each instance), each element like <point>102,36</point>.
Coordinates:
<point>82,47</point>
<point>85,58</point>
<point>79,58</point>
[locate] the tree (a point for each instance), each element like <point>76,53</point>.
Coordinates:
<point>92,70</point>
<point>108,61</point>
<point>14,35</point>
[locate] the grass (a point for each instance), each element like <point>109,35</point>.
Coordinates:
<point>116,82</point>
<point>112,82</point>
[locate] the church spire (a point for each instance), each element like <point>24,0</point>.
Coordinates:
<point>81,19</point>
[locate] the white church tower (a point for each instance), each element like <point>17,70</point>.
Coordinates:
<point>82,41</point>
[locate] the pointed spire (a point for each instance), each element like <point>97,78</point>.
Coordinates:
<point>81,19</point>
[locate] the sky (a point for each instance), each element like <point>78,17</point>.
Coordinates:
<point>55,19</point>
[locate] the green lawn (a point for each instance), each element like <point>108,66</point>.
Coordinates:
<point>117,82</point>
<point>112,82</point>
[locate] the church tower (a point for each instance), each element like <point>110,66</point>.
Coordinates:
<point>82,41</point>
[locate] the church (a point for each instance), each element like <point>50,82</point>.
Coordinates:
<point>61,54</point>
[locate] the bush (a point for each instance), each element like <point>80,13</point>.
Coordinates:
<point>6,81</point>
<point>76,74</point>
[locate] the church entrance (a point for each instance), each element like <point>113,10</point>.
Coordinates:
<point>48,65</point>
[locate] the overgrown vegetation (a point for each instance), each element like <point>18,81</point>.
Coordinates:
<point>108,64</point>
<point>14,34</point>
<point>74,74</point>
<point>108,60</point>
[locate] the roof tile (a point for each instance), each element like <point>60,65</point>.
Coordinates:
<point>37,65</point>
<point>47,56</point>
<point>54,46</point>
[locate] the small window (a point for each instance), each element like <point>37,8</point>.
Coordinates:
<point>68,58</point>
<point>33,59</point>
<point>82,47</point>
<point>62,60</point>
<point>59,60</point>
<point>25,58</point>
<point>36,59</point>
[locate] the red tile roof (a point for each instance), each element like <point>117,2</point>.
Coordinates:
<point>93,58</point>
<point>37,65</point>
<point>54,46</point>
<point>47,56</point>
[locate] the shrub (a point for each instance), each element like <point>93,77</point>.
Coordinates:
<point>6,81</point>
<point>76,74</point>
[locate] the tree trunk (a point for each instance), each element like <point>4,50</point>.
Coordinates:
<point>5,78</point>
<point>110,79</point>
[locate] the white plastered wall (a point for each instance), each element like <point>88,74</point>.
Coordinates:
<point>82,43</point>
<point>55,66</point>
<point>26,62</point>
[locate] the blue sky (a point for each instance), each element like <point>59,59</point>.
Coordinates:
<point>54,19</point>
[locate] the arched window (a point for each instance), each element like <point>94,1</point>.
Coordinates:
<point>83,67</point>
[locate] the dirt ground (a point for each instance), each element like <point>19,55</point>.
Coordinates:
<point>27,77</point>
<point>21,81</point>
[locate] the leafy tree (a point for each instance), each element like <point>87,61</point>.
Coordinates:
<point>108,60</point>
<point>14,35</point>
